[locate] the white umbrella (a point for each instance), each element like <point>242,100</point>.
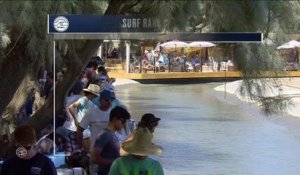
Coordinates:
<point>174,44</point>
<point>201,44</point>
<point>268,42</point>
<point>290,45</point>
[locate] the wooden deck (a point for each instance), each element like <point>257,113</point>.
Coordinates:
<point>190,76</point>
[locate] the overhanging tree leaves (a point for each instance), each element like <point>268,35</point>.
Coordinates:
<point>275,19</point>
<point>32,48</point>
<point>26,47</point>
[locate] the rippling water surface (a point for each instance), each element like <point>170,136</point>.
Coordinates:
<point>203,132</point>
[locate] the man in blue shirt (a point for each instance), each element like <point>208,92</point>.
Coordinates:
<point>106,148</point>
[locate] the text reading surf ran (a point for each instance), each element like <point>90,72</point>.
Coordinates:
<point>139,23</point>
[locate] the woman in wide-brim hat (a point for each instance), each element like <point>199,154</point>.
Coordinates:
<point>138,161</point>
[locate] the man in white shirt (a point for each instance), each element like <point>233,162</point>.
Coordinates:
<point>96,119</point>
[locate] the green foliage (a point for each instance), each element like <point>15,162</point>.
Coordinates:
<point>27,21</point>
<point>185,16</point>
<point>275,19</point>
<point>275,105</point>
<point>257,62</point>
<point>267,92</point>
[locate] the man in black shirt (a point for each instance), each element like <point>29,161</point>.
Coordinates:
<point>27,160</point>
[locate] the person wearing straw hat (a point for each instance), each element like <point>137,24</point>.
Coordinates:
<point>77,111</point>
<point>148,121</point>
<point>80,107</point>
<point>138,162</point>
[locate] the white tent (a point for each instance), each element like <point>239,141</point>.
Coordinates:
<point>290,45</point>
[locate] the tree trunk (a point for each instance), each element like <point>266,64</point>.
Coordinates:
<point>44,116</point>
<point>18,68</point>
<point>13,69</point>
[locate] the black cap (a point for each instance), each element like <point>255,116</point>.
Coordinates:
<point>149,118</point>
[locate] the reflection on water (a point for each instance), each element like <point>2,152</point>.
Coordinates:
<point>201,134</point>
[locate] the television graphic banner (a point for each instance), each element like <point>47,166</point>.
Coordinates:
<point>132,27</point>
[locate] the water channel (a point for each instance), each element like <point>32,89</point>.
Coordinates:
<point>204,132</point>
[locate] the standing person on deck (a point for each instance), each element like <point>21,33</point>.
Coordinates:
<point>138,162</point>
<point>106,148</point>
<point>27,160</point>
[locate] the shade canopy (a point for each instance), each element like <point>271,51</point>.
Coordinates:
<point>174,44</point>
<point>201,44</point>
<point>290,45</point>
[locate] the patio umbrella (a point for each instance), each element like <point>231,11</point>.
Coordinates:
<point>201,44</point>
<point>293,44</point>
<point>290,45</point>
<point>174,44</point>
